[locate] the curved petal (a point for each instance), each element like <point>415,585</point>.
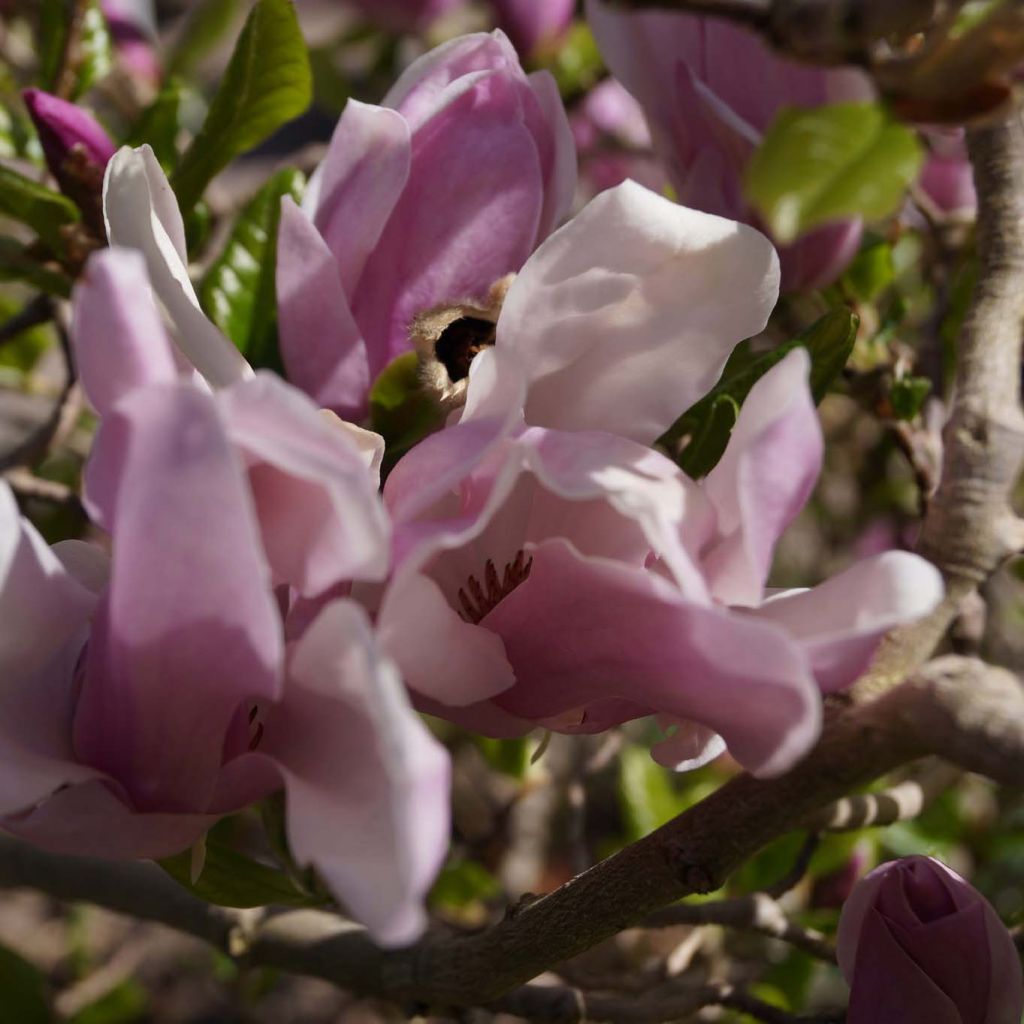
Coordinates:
<point>321,518</point>
<point>321,344</point>
<point>841,622</point>
<point>605,630</point>
<point>559,158</point>
<point>689,747</point>
<point>439,655</point>
<point>626,316</point>
<point>361,180</point>
<point>45,615</point>
<point>118,337</point>
<point>141,213</point>
<point>763,480</point>
<point>367,785</point>
<point>467,217</point>
<point>92,820</point>
<point>188,629</point>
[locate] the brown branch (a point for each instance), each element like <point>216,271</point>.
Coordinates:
<point>67,69</point>
<point>970,528</point>
<point>970,712</point>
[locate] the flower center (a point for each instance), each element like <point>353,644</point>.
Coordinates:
<point>477,601</point>
<point>461,342</point>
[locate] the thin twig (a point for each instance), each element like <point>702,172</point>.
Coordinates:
<point>28,487</point>
<point>902,801</point>
<point>67,69</point>
<point>39,311</point>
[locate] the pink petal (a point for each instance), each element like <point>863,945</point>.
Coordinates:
<point>188,630</point>
<point>689,747</point>
<point>321,519</point>
<point>765,477</point>
<point>92,820</point>
<point>841,622</point>
<point>626,316</point>
<point>45,616</point>
<point>119,339</point>
<point>462,223</point>
<point>534,23</point>
<point>367,785</point>
<point>321,344</point>
<point>360,182</point>
<point>605,630</point>
<point>558,153</point>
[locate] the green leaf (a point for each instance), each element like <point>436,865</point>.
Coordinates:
<point>95,48</point>
<point>908,396</point>
<point>124,1004</point>
<point>709,422</point>
<point>230,879</point>
<point>238,290</point>
<point>709,441</point>
<point>159,125</point>
<point>268,82</point>
<point>645,793</point>
<point>17,265</point>
<point>400,411</point>
<point>23,991</point>
<point>871,272</point>
<point>820,165</point>
<point>33,204</point>
<point>461,883</point>
<point>208,22</point>
<point>510,757</point>
<point>53,30</point>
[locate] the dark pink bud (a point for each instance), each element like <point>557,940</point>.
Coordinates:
<point>919,945</point>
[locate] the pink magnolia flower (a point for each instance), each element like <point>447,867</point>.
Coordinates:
<point>710,90</point>
<point>946,178</point>
<point>919,945</point>
<point>428,199</point>
<point>133,27</point>
<point>217,657</point>
<point>551,569</point>
<point>534,25</point>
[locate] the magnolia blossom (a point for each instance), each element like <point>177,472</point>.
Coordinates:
<point>216,657</point>
<point>551,569</point>
<point>946,178</point>
<point>425,200</point>
<point>710,90</point>
<point>919,945</point>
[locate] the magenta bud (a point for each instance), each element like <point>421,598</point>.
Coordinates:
<point>77,151</point>
<point>918,945</point>
<point>831,891</point>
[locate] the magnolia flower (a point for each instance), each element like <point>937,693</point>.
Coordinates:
<point>216,658</point>
<point>551,569</point>
<point>946,178</point>
<point>426,200</point>
<point>919,945</point>
<point>534,25</point>
<point>710,90</point>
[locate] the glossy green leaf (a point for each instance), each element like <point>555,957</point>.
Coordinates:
<point>42,209</point>
<point>267,82</point>
<point>820,165</point>
<point>400,411</point>
<point>23,991</point>
<point>709,422</point>
<point>645,792</point>
<point>230,879</point>
<point>94,49</point>
<point>238,290</point>
<point>17,265</point>
<point>159,126</point>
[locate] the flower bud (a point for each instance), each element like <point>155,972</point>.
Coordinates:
<point>76,148</point>
<point>919,945</point>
